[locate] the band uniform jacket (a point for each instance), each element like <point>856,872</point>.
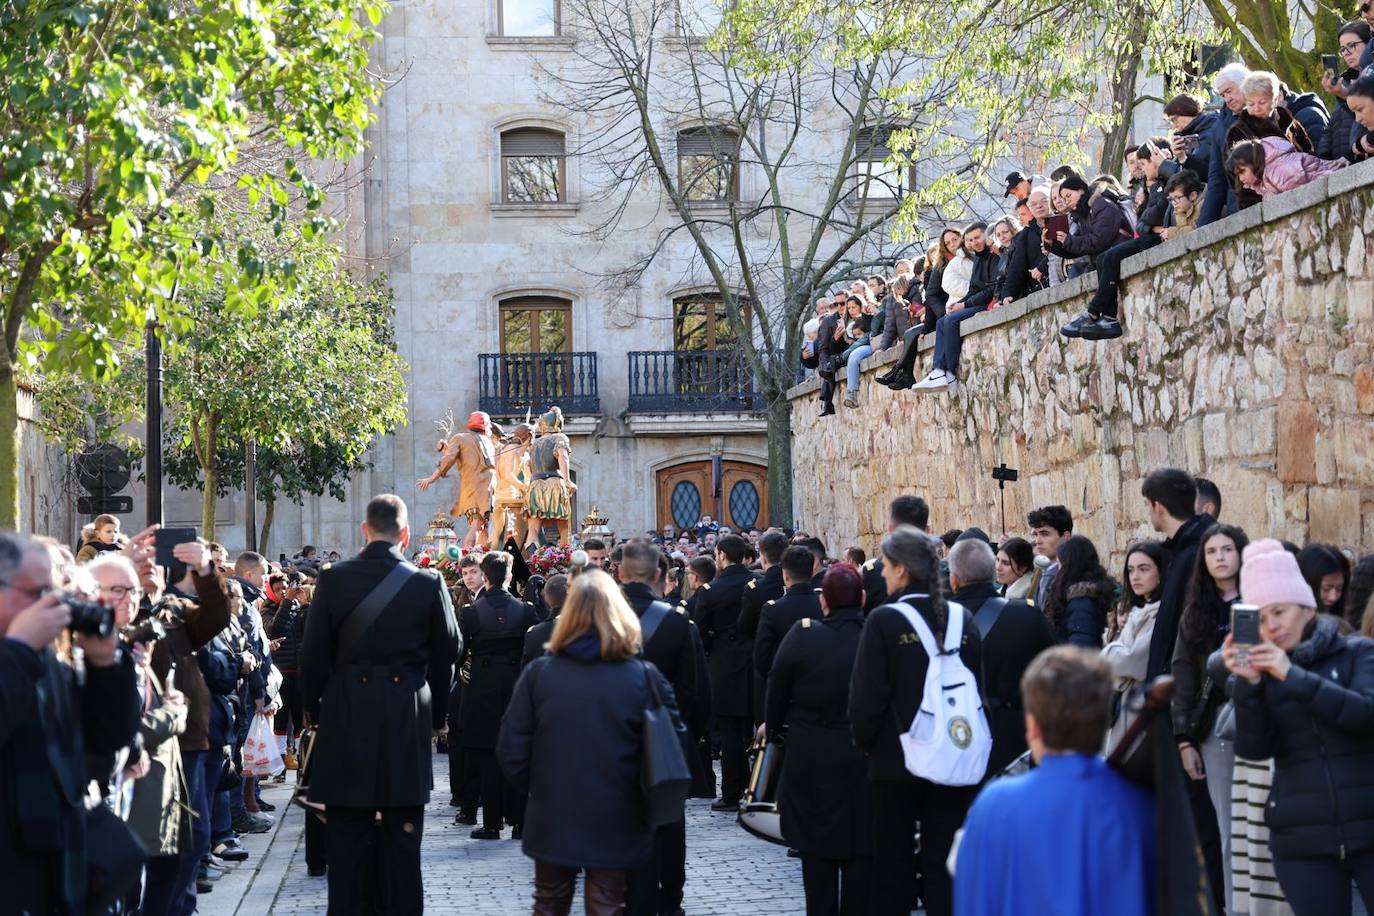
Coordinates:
<point>730,652</point>
<point>1021,633</point>
<point>824,796</point>
<point>671,649</point>
<point>889,680</point>
<point>763,589</point>
<point>797,603</point>
<point>494,628</point>
<point>875,587</point>
<point>475,459</point>
<point>377,712</point>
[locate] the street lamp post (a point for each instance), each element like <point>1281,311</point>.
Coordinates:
<point>152,423</point>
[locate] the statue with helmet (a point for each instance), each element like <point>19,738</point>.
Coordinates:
<point>551,486</point>
<point>472,452</point>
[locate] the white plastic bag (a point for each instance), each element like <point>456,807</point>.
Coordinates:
<point>260,754</point>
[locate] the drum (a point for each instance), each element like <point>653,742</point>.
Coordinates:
<point>758,811</point>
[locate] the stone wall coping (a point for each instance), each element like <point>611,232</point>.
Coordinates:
<point>1309,195</point>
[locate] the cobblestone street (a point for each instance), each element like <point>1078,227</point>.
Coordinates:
<point>728,872</point>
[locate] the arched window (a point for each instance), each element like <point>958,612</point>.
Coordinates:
<point>708,164</point>
<point>533,166</point>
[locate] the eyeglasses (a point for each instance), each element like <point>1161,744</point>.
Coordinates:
<point>121,591</point>
<point>1352,46</point>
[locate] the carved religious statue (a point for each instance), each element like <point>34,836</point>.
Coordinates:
<point>473,454</point>
<point>510,517</point>
<point>551,486</point>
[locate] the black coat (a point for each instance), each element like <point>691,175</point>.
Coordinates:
<point>1318,726</point>
<point>1026,255</point>
<point>983,284</point>
<point>1085,615</point>
<point>1182,552</point>
<point>536,637</point>
<point>824,796</point>
<point>875,586</point>
<point>376,713</point>
<point>889,680</point>
<point>672,649</point>
<point>1194,708</point>
<point>765,587</point>
<point>494,629</point>
<point>828,349</point>
<point>798,603</point>
<point>729,651</point>
<point>286,622</point>
<point>1104,225</point>
<point>573,737</point>
<point>1021,633</point>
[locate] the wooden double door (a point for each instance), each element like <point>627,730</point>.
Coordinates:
<point>686,492</point>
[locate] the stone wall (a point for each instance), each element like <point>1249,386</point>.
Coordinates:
<point>1247,359</point>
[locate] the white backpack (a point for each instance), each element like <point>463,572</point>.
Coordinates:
<point>949,740</point>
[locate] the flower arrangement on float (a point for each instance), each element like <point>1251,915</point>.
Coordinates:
<point>446,560</point>
<point>546,561</point>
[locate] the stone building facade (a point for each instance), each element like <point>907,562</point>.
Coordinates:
<point>1247,360</point>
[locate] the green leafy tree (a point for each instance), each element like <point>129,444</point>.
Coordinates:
<point>1285,37</point>
<point>119,115</point>
<point>312,377</point>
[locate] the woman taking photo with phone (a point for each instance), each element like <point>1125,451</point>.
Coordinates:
<point>1304,696</point>
<point>1213,587</point>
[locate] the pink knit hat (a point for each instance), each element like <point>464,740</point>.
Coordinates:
<point>1270,575</point>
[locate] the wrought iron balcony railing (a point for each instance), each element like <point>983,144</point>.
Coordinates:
<point>691,381</point>
<point>511,383</point>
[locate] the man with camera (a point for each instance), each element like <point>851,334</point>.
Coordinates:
<point>52,712</point>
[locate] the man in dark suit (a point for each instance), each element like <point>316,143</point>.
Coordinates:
<point>555,593</point>
<point>904,510</point>
<point>1013,634</point>
<point>669,644</point>
<point>799,602</point>
<point>759,592</point>
<point>494,628</point>
<point>378,701</point>
<point>828,350</point>
<point>730,652</point>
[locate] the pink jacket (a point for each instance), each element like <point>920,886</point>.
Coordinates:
<point>1285,168</point>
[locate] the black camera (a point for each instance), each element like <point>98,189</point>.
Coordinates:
<point>89,618</point>
<point>147,630</point>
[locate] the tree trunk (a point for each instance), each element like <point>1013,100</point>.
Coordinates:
<point>779,413</point>
<point>9,447</point>
<point>1123,77</point>
<point>209,466</point>
<point>269,509</point>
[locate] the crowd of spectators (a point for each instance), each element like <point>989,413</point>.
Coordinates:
<point>141,681</point>
<point>1262,140</point>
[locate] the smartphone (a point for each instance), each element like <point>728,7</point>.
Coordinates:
<point>1330,62</point>
<point>164,539</point>
<point>1245,624</point>
<point>1191,142</point>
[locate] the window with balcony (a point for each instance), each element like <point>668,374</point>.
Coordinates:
<point>708,165</point>
<point>533,166</point>
<point>529,18</point>
<point>537,366</point>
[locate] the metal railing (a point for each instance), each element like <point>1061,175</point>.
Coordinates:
<point>510,383</point>
<point>690,381</point>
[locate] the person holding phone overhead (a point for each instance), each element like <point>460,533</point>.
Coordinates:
<point>1304,696</point>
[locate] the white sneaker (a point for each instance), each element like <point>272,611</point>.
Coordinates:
<point>936,381</point>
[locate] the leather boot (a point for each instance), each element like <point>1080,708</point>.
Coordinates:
<point>554,886</point>
<point>605,891</point>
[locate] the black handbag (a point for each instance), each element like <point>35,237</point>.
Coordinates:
<point>666,777</point>
<point>114,858</point>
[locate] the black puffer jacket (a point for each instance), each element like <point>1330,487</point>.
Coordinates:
<point>286,622</point>
<point>1318,726</point>
<point>1104,226</point>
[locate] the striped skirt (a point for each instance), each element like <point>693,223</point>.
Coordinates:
<point>549,500</point>
<point>1256,890</point>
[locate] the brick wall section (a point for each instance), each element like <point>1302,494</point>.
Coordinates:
<point>1248,358</point>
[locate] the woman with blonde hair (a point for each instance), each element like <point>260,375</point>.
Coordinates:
<point>573,738</point>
